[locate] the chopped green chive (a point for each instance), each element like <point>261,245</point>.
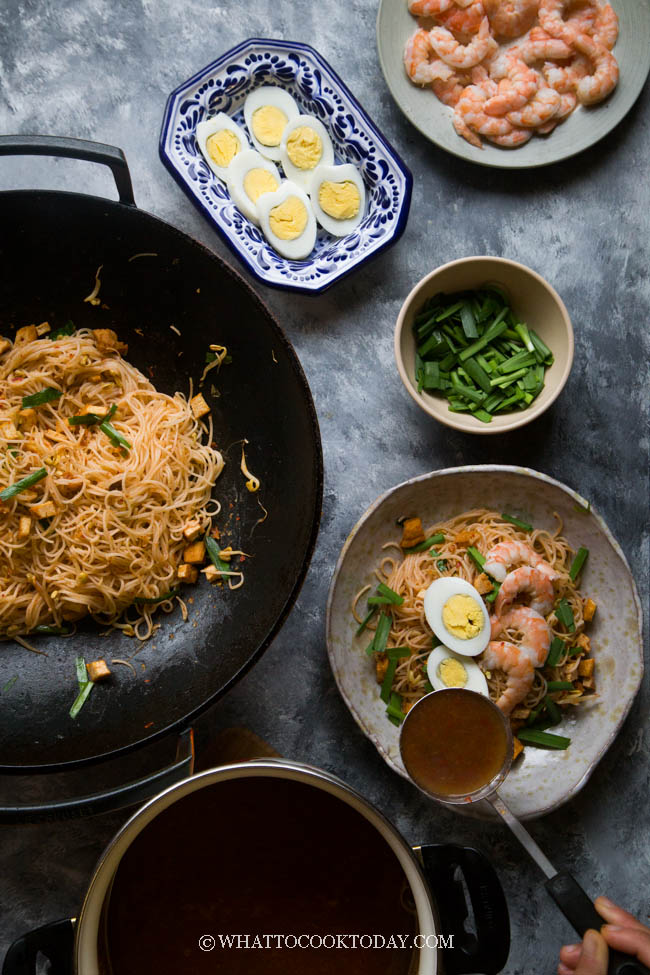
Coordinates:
<point>524,525</point>
<point>380,640</point>
<point>59,333</point>
<point>23,485</point>
<point>542,739</point>
<point>564,614</point>
<point>10,683</point>
<point>555,652</point>
<point>426,544</point>
<point>577,564</point>
<point>558,685</point>
<point>369,615</point>
<point>477,558</point>
<point>394,709</point>
<point>48,395</point>
<point>85,687</point>
<point>390,594</point>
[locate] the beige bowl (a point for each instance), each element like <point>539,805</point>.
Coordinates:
<point>534,300</point>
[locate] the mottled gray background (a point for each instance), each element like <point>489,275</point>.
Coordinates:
<point>102,69</point>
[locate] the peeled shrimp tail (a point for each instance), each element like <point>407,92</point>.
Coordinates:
<point>535,631</point>
<point>520,673</point>
<point>526,581</point>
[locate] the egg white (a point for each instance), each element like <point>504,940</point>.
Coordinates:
<point>435,598</point>
<point>301,247</point>
<point>239,167</point>
<point>346,173</point>
<point>303,177</point>
<point>215,124</point>
<point>475,677</point>
<point>269,95</point>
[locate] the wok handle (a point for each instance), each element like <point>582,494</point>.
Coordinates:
<point>487,950</point>
<point>121,797</point>
<point>579,910</point>
<point>55,941</point>
<point>52,145</point>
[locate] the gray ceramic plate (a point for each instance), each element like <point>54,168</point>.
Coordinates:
<point>541,781</point>
<point>585,127</point>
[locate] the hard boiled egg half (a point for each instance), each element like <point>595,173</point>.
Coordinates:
<point>338,197</point>
<point>220,140</point>
<point>288,221</point>
<point>457,615</point>
<point>448,669</point>
<point>305,146</point>
<point>250,176</point>
<point>268,111</point>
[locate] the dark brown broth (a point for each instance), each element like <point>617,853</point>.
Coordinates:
<point>256,856</point>
<point>454,743</point>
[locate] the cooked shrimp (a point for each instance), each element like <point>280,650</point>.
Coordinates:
<point>567,103</point>
<point>470,115</point>
<point>526,581</point>
<point>565,79</point>
<point>519,85</point>
<point>594,88</point>
<point>430,8</point>
<point>463,56</point>
<point>535,632</point>
<point>503,556</point>
<point>450,91</point>
<point>516,665</point>
<point>540,46</point>
<point>512,139</point>
<point>464,21</point>
<point>542,107</point>
<point>551,17</point>
<point>605,29</point>
<point>511,18</point>
<point>417,61</point>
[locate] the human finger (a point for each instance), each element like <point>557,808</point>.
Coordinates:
<point>594,956</point>
<point>633,941</point>
<point>614,914</point>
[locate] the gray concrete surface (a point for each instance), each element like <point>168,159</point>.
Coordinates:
<point>102,70</point>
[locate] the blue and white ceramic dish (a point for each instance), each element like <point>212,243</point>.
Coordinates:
<point>222,87</point>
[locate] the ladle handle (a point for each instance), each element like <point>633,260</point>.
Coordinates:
<point>579,910</point>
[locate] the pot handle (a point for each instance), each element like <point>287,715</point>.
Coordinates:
<point>446,867</point>
<point>121,797</point>
<point>52,145</point>
<point>55,941</point>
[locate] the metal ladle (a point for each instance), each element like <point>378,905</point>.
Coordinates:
<point>575,904</point>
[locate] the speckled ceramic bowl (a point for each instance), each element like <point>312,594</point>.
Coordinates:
<point>536,303</point>
<point>540,781</point>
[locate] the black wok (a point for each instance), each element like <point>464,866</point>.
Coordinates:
<point>51,244</point>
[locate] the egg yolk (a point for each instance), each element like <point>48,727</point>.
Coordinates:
<point>223,147</point>
<point>339,200</point>
<point>463,617</point>
<point>304,147</point>
<point>289,218</point>
<point>452,673</point>
<point>269,122</point>
<point>259,181</point>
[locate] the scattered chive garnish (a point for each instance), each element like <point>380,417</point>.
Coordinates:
<point>428,543</point>
<point>10,683</point>
<point>380,639</point>
<point>58,333</point>
<point>524,525</point>
<point>390,594</point>
<point>44,396</point>
<point>394,709</point>
<point>45,630</point>
<point>366,620</point>
<point>577,564</point>
<point>85,687</point>
<point>477,558</point>
<point>214,553</point>
<point>559,685</point>
<point>23,485</point>
<point>555,652</point>
<point>564,614</point>
<point>542,739</point>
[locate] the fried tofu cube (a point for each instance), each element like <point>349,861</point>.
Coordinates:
<point>107,341</point>
<point>589,683</point>
<point>584,643</point>
<point>26,417</point>
<point>521,713</point>
<point>26,334</point>
<point>187,573</point>
<point>211,573</point>
<point>483,584</point>
<point>199,406</point>
<point>192,530</point>
<point>381,665</point>
<point>98,670</point>
<point>24,527</point>
<point>5,345</point>
<point>43,328</point>
<point>588,610</point>
<point>195,553</point>
<point>412,532</point>
<point>586,667</point>
<point>45,509</point>
<point>466,537</point>
<point>517,748</point>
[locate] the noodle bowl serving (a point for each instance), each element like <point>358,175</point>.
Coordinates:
<point>101,477</point>
<point>487,601</point>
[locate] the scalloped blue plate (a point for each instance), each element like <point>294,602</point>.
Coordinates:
<point>222,87</point>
